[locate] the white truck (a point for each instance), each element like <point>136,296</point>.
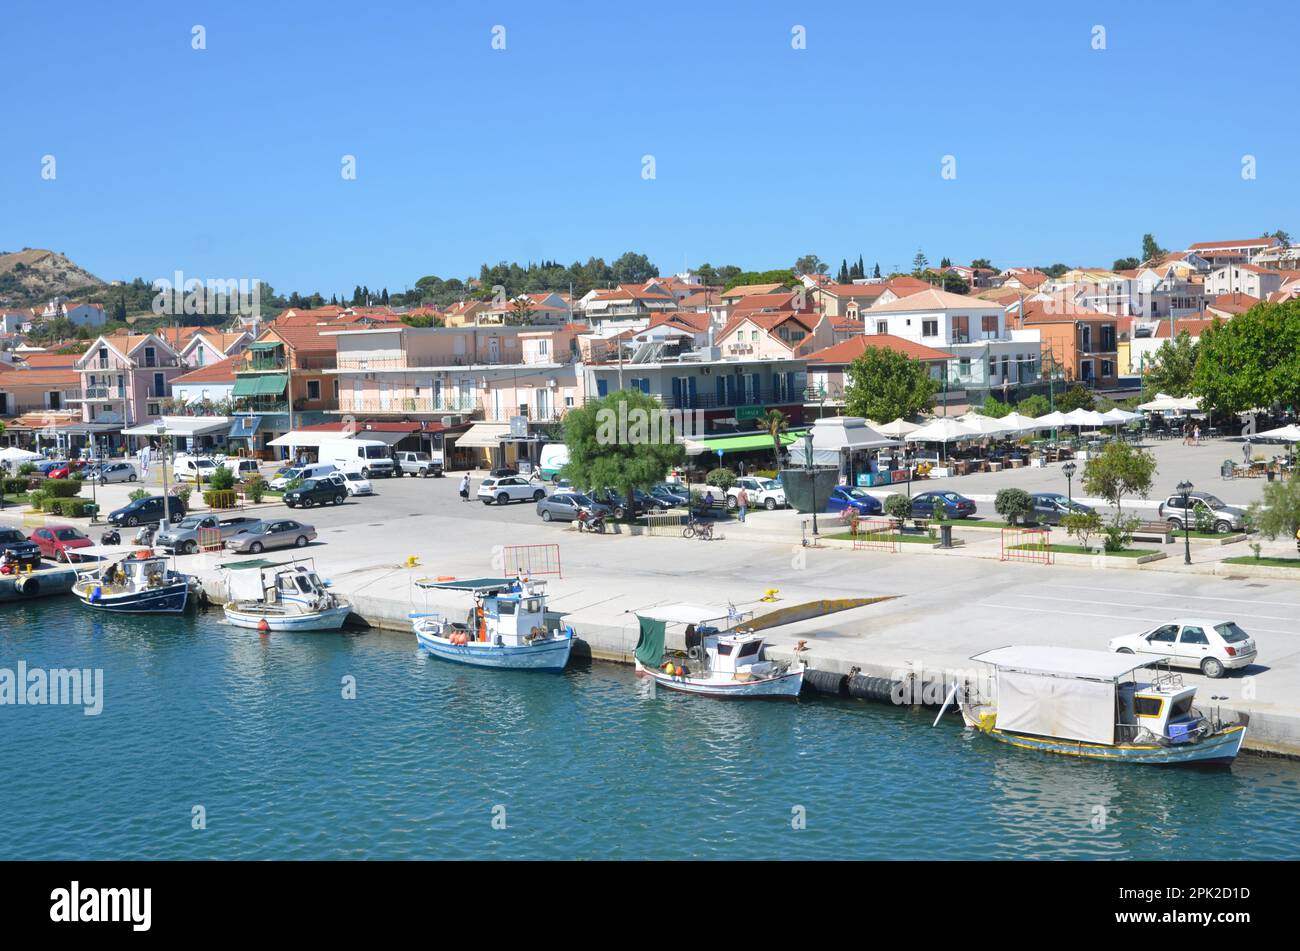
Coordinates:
<point>418,463</point>
<point>767,493</point>
<point>370,457</point>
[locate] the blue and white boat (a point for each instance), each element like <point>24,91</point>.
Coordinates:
<point>1085,703</point>
<point>281,596</point>
<point>134,581</point>
<point>506,628</point>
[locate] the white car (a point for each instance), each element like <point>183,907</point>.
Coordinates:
<point>1211,645</point>
<point>509,489</point>
<point>193,468</point>
<point>765,493</point>
<point>356,483</point>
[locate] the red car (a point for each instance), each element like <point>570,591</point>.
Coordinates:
<point>59,542</point>
<point>65,470</point>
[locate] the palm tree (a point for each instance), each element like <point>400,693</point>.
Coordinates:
<point>775,422</point>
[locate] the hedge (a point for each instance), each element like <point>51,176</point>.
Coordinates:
<point>62,488</point>
<point>220,498</point>
<point>15,486</point>
<point>72,508</point>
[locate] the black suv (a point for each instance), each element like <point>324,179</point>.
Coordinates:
<point>24,548</point>
<point>316,492</point>
<point>147,511</point>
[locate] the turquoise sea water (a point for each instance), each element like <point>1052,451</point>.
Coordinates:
<point>583,765</point>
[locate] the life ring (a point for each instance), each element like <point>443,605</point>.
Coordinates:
<point>28,586</point>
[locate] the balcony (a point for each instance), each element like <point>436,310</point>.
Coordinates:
<point>260,407</point>
<point>96,393</point>
<point>421,404</point>
<point>355,364</point>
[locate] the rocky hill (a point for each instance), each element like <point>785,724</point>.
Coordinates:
<point>33,276</point>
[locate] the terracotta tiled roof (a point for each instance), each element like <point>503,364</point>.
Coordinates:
<point>1231,245</point>
<point>849,350</point>
<point>223,371</point>
<point>52,376</point>
<point>744,290</point>
<point>1193,325</point>
<point>41,360</point>
<point>932,299</point>
<point>1233,303</point>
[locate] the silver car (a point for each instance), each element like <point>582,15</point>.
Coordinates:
<point>1220,516</point>
<point>564,506</point>
<point>115,472</point>
<point>272,533</point>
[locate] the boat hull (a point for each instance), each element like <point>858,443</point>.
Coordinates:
<point>330,619</point>
<point>171,599</point>
<point>781,687</point>
<point>550,655</point>
<point>1219,749</point>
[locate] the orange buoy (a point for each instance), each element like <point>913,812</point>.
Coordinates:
<point>263,627</point>
<point>446,577</point>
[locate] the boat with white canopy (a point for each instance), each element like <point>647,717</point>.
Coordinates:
<point>281,596</point>
<point>1091,704</point>
<point>728,664</point>
<point>133,580</point>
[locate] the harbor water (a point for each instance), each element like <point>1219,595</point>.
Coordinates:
<point>218,742</point>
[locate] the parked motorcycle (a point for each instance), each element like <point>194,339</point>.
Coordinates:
<point>111,537</point>
<point>589,521</point>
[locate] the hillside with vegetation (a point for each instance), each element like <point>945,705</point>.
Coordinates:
<point>33,275</point>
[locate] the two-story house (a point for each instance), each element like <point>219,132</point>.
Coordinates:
<point>1249,279</point>
<point>1082,345</point>
<point>283,380</point>
<point>126,377</point>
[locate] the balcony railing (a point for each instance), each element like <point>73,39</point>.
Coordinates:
<point>104,393</point>
<point>406,405</point>
<point>255,408</point>
<point>363,364</point>
<point>711,401</point>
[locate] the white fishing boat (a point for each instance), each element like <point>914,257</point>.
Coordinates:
<point>727,664</point>
<point>1091,704</point>
<point>506,628</point>
<point>282,596</point>
<point>133,580</point>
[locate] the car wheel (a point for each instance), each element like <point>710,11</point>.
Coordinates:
<point>487,501</point>
<point>546,516</point>
<point>770,504</point>
<point>1175,525</point>
<point>539,495</point>
<point>424,473</point>
<point>502,499</point>
<point>338,500</point>
<point>1223,527</point>
<point>1124,650</point>
<point>132,522</point>
<point>365,473</point>
<point>1212,668</point>
<point>619,511</point>
<point>131,477</point>
<point>732,505</point>
<point>61,556</point>
<point>191,547</point>
<point>300,541</point>
<point>255,548</point>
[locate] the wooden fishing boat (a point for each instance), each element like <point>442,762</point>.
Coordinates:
<point>133,580</point>
<point>730,664</point>
<point>506,628</point>
<point>1091,704</point>
<point>282,596</point>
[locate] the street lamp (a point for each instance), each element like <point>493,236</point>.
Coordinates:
<point>1069,469</point>
<point>812,476</point>
<point>1185,490</point>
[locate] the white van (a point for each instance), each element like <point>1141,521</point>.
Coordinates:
<point>192,468</point>
<point>244,469</point>
<point>555,456</point>
<point>316,470</point>
<point>370,457</point>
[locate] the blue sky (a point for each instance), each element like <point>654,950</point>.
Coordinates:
<point>226,162</point>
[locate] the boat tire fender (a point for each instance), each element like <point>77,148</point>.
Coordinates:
<point>28,586</point>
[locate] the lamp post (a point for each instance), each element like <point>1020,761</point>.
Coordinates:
<point>1069,469</point>
<point>1185,490</point>
<point>812,475</point>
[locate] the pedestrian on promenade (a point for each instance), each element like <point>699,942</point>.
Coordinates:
<point>464,487</point>
<point>1196,435</point>
<point>742,503</point>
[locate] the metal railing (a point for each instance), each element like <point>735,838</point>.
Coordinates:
<point>407,405</point>
<point>512,358</point>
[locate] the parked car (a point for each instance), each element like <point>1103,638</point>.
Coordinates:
<point>244,469</point>
<point>62,471</point>
<point>1211,645</point>
<point>513,488</point>
<point>60,542</point>
<point>114,472</point>
<point>315,470</point>
<point>673,493</point>
<point>147,511</point>
<point>25,550</point>
<point>1223,517</point>
<point>192,469</point>
<point>417,464</point>
<point>46,465</point>
<point>942,504</point>
<point>272,533</point>
<point>185,536</point>
<point>503,473</point>
<point>768,493</point>
<point>564,506</point>
<point>1049,507</point>
<point>613,500</point>
<point>328,489</point>
<point>357,484</point>
<point>844,497</point>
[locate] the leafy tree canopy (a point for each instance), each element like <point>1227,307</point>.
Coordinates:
<point>1171,367</point>
<point>623,440</point>
<point>1076,397</point>
<point>1250,361</point>
<point>884,385</point>
<point>1118,470</point>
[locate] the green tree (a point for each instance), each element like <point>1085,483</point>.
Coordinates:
<point>994,408</point>
<point>1034,406</point>
<point>1126,264</point>
<point>774,423</point>
<point>785,278</point>
<point>1119,470</point>
<point>1278,514</point>
<point>920,263</point>
<point>1013,504</point>
<point>898,507</point>
<point>884,385</point>
<point>983,264</point>
<point>1171,368</point>
<point>1076,397</point>
<point>623,440</point>
<point>809,264</point>
<point>1281,235</point>
<point>633,268</point>
<point>1150,249</point>
<point>1082,525</point>
<point>1252,360</point>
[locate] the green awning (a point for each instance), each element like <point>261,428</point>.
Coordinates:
<point>265,384</point>
<point>265,345</point>
<point>741,443</point>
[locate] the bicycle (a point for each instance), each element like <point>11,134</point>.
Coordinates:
<point>695,528</point>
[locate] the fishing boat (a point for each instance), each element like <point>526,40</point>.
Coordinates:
<point>133,580</point>
<point>281,596</point>
<point>506,627</point>
<point>1092,704</point>
<point>728,664</point>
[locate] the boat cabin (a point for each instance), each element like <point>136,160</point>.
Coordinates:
<point>135,573</point>
<point>294,583</point>
<point>514,616</point>
<point>1164,707</point>
<point>737,652</point>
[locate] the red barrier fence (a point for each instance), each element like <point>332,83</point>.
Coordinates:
<point>532,560</point>
<point>1027,544</point>
<point>875,534</point>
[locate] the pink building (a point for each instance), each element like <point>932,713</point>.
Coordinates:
<point>125,378</point>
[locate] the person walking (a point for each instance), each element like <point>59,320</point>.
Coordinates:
<point>464,487</point>
<point>1196,435</point>
<point>742,504</point>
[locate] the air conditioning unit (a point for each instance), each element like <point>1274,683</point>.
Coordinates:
<point>452,420</point>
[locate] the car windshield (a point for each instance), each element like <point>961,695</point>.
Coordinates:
<point>353,477</point>
<point>858,493</point>
<point>1230,633</point>
<point>309,484</point>
<point>581,499</point>
<point>191,522</point>
<point>766,484</point>
<point>12,535</point>
<point>420,456</point>
<point>1212,501</point>
<point>376,452</point>
<point>68,535</point>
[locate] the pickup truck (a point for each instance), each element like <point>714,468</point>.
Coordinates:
<point>183,538</point>
<point>418,464</point>
<point>24,548</point>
